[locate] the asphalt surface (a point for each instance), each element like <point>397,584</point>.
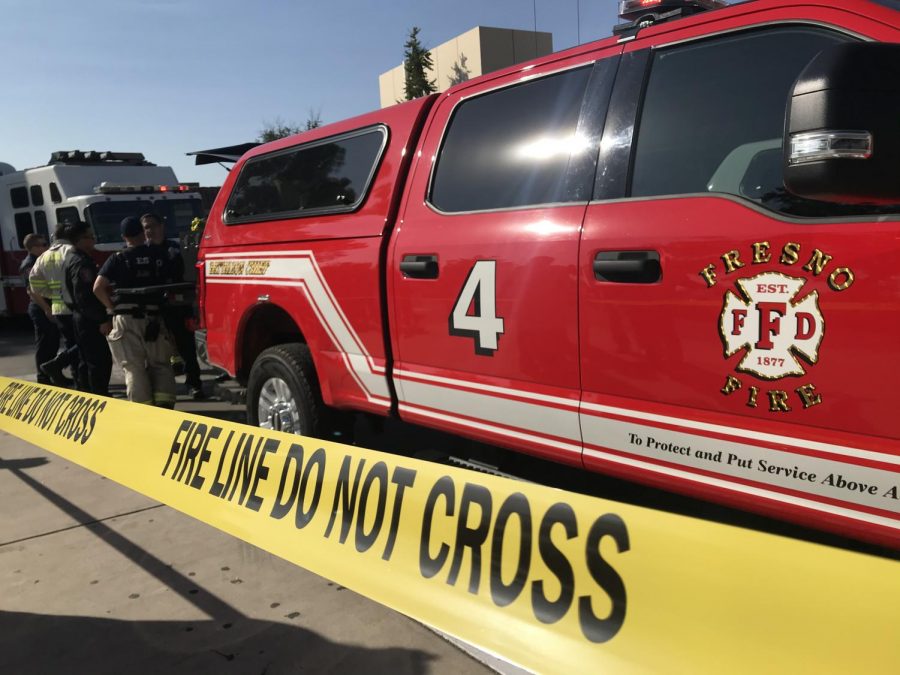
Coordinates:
<point>96,578</point>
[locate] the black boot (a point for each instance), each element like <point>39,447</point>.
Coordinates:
<point>54,372</point>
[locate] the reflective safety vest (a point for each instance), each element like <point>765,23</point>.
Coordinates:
<point>47,276</point>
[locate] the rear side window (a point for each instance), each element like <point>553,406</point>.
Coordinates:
<point>69,213</point>
<point>40,225</point>
<point>713,115</point>
<point>327,176</point>
<point>19,197</point>
<point>23,226</point>
<point>511,147</point>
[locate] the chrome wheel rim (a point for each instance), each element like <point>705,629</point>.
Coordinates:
<point>276,408</point>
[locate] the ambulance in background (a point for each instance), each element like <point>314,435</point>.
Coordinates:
<point>100,188</point>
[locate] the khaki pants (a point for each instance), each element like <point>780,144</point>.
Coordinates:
<point>148,372</point>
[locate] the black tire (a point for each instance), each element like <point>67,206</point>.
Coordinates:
<point>292,364</point>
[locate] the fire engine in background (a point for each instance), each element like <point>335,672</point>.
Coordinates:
<point>100,188</point>
<point>672,255</point>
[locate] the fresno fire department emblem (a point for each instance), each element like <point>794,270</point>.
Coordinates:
<point>775,323</point>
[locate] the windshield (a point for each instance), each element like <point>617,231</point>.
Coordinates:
<point>105,217</point>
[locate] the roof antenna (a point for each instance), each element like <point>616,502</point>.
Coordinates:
<point>578,15</point>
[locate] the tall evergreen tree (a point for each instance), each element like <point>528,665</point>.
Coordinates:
<point>416,63</point>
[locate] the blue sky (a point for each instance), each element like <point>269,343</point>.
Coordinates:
<point>165,77</point>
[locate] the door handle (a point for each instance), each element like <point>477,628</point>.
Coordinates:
<point>419,266</point>
<point>628,267</point>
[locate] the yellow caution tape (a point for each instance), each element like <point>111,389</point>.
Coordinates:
<point>552,581</point>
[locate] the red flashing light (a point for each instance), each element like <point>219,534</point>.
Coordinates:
<point>630,10</point>
<point>107,188</point>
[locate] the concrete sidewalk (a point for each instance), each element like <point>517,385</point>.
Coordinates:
<point>95,578</point>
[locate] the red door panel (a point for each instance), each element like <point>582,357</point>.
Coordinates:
<point>756,365</point>
<point>489,347</point>
<point>753,369</point>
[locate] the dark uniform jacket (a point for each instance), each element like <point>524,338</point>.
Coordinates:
<point>25,269</point>
<point>172,251</point>
<point>78,289</point>
<point>138,267</point>
<point>26,266</point>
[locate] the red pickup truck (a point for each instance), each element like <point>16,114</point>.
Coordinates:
<point>672,255</point>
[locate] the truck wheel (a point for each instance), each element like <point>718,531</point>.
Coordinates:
<point>283,391</point>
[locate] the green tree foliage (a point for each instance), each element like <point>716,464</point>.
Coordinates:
<point>272,131</point>
<point>314,121</point>
<point>416,64</point>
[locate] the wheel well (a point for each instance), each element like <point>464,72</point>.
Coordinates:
<point>265,326</point>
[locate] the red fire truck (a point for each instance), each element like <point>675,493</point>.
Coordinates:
<point>672,255</point>
<point>100,188</point>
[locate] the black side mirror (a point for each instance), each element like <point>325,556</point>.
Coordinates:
<point>842,138</point>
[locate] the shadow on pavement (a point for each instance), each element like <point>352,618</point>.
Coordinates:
<point>37,643</point>
<point>16,336</point>
<point>206,602</point>
<point>21,464</point>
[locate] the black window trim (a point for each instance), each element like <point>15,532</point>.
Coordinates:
<point>591,62</point>
<point>322,211</point>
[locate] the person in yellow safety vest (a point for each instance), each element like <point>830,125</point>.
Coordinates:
<point>45,283</point>
<point>139,340</point>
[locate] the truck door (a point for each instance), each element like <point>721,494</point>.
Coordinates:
<point>482,271</point>
<point>734,338</point>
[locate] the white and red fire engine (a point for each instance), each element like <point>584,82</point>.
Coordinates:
<point>100,188</point>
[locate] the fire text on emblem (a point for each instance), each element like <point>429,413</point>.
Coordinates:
<point>775,323</point>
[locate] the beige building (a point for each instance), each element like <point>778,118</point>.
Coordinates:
<point>475,52</point>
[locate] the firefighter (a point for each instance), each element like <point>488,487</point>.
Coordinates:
<point>45,282</point>
<point>174,316</point>
<point>139,340</point>
<point>46,332</point>
<point>91,321</point>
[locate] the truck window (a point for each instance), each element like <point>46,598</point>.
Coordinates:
<point>106,217</point>
<point>327,176</point>
<point>19,197</point>
<point>713,117</point>
<point>511,147</point>
<point>55,197</point>
<point>40,225</point>
<point>37,195</point>
<point>23,226</point>
<point>69,213</point>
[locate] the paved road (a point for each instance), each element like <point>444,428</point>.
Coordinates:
<point>95,578</point>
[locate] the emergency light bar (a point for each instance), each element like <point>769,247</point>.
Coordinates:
<point>98,157</point>
<point>632,10</point>
<point>107,188</point>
